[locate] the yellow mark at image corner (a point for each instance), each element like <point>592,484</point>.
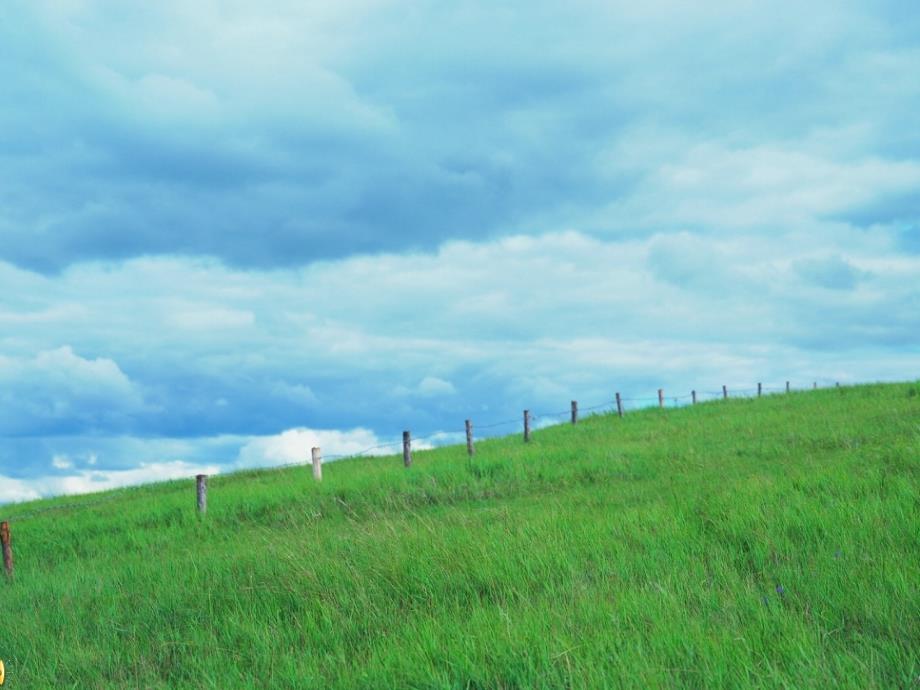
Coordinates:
<point>2,673</point>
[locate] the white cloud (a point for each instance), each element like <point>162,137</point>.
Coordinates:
<point>418,341</point>
<point>716,187</point>
<point>432,386</point>
<point>13,490</point>
<point>86,481</point>
<point>61,462</point>
<point>294,446</point>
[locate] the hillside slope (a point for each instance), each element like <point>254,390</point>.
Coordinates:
<point>749,543</point>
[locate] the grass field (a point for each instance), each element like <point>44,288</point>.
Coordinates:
<point>771,543</point>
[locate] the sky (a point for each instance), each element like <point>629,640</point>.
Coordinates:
<point>232,231</point>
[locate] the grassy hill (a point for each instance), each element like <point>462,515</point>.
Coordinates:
<point>760,543</point>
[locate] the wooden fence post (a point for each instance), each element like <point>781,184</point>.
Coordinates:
<point>787,386</point>
<point>693,396</point>
<point>201,484</point>
<point>407,448</point>
<point>574,412</point>
<point>317,457</point>
<point>526,426</point>
<point>469,438</point>
<point>619,405</point>
<point>837,385</point>
<point>724,392</point>
<point>759,389</point>
<point>814,386</point>
<point>7,548</point>
<point>661,397</point>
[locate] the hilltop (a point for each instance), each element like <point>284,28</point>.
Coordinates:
<point>770,542</point>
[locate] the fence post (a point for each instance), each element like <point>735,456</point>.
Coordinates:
<point>759,389</point>
<point>317,457</point>
<point>787,386</point>
<point>526,426</point>
<point>814,386</point>
<point>7,548</point>
<point>619,405</point>
<point>724,392</point>
<point>661,397</point>
<point>837,385</point>
<point>574,412</point>
<point>407,448</point>
<point>469,438</point>
<point>201,484</point>
<point>693,396</point>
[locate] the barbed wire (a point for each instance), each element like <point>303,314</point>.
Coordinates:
<point>495,424</point>
<point>598,407</point>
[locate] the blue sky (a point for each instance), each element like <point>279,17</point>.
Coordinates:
<point>229,232</point>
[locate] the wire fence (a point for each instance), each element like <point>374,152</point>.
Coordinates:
<point>540,419</point>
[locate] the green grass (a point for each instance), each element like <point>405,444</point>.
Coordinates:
<point>636,553</point>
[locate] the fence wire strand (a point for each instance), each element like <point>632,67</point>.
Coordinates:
<point>607,406</point>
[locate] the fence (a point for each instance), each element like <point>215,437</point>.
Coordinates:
<point>530,421</point>
<point>619,404</point>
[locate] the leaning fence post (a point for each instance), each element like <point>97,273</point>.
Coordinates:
<point>661,397</point>
<point>526,426</point>
<point>787,386</point>
<point>759,389</point>
<point>619,405</point>
<point>407,448</point>
<point>469,438</point>
<point>201,483</point>
<point>693,396</point>
<point>7,548</point>
<point>317,457</point>
<point>574,412</point>
<point>724,392</point>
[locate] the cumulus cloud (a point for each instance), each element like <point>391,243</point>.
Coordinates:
<point>294,446</point>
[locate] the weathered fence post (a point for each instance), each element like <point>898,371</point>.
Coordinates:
<point>661,397</point>
<point>759,389</point>
<point>469,438</point>
<point>619,405</point>
<point>693,396</point>
<point>574,412</point>
<point>787,386</point>
<point>526,426</point>
<point>317,457</point>
<point>201,484</point>
<point>407,448</point>
<point>7,548</point>
<point>814,385</point>
<point>724,392</point>
<point>837,385</point>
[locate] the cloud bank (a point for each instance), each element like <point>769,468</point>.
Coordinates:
<point>228,233</point>
<point>280,135</point>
